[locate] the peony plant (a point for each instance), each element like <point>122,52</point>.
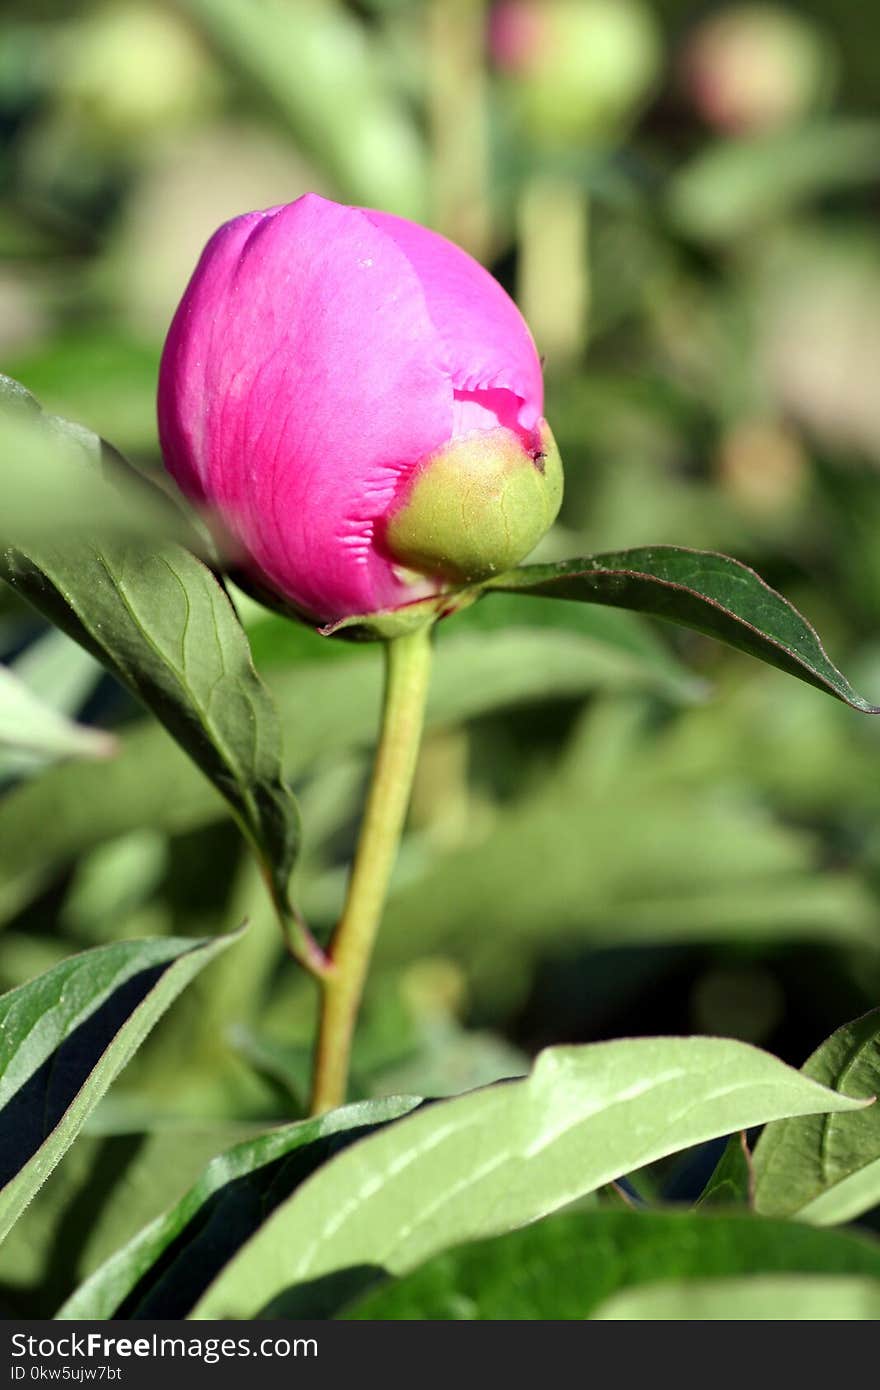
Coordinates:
<point>357,407</point>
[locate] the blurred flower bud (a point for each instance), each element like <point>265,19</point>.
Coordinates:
<point>756,68</point>
<point>578,68</point>
<point>131,70</point>
<point>354,399</point>
<point>762,466</point>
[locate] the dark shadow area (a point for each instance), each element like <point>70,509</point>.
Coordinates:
<point>229,1217</point>
<point>40,1104</point>
<point>63,1269</point>
<point>325,1296</point>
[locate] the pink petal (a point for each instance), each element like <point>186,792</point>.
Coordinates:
<point>488,345</point>
<point>303,377</point>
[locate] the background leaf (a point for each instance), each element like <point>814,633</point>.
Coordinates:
<point>326,707</point>
<point>732,1182</point>
<point>28,725</point>
<point>109,1186</point>
<point>65,1037</point>
<point>786,1298</point>
<point>827,1169</point>
<point>565,1266</point>
<point>712,593</point>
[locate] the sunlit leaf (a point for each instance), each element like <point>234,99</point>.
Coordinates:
<point>65,1036</point>
<point>783,1298</point>
<point>827,1169</point>
<point>498,1158</point>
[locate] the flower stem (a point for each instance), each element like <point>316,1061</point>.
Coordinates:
<point>407,667</point>
<point>553,279</point>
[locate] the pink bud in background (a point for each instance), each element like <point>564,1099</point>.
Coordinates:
<point>755,68</point>
<point>327,362</point>
<point>577,70</point>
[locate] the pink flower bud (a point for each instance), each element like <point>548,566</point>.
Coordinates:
<point>321,359</point>
<point>755,68</point>
<point>577,69</point>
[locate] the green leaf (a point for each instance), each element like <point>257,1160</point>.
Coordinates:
<point>696,588</point>
<point>499,1158</point>
<point>737,184</point>
<point>566,1266</point>
<point>713,864</point>
<point>29,725</point>
<point>827,1169</point>
<point>732,1181</point>
<point>108,1187</point>
<point>341,110</point>
<point>163,624</point>
<point>327,707</point>
<point>164,1269</point>
<point>61,478</point>
<point>786,1298</point>
<point>66,1036</point>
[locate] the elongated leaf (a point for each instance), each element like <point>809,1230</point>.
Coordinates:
<point>65,1037</point>
<point>498,1158</point>
<point>785,1298</point>
<point>738,184</point>
<point>28,725</point>
<point>59,477</point>
<point>166,1267</point>
<point>565,1266</point>
<point>827,1169</point>
<point>162,623</point>
<point>340,109</point>
<point>108,1187</point>
<point>699,589</point>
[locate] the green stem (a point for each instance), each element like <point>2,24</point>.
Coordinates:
<point>553,278</point>
<point>408,661</point>
<point>458,123</point>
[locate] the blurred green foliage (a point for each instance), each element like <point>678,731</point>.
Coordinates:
<point>616,829</point>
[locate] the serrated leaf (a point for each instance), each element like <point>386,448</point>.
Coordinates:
<point>785,1298</point>
<point>711,593</point>
<point>163,624</point>
<point>166,1267</point>
<point>65,1036</point>
<point>827,1169</point>
<point>499,1158</point>
<point>565,1266</point>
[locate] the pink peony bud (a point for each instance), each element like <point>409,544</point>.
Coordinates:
<point>323,362</point>
<point>756,67</point>
<point>577,69</point>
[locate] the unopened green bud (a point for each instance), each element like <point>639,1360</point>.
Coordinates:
<point>478,506</point>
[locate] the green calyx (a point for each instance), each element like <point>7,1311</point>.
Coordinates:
<point>478,506</point>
